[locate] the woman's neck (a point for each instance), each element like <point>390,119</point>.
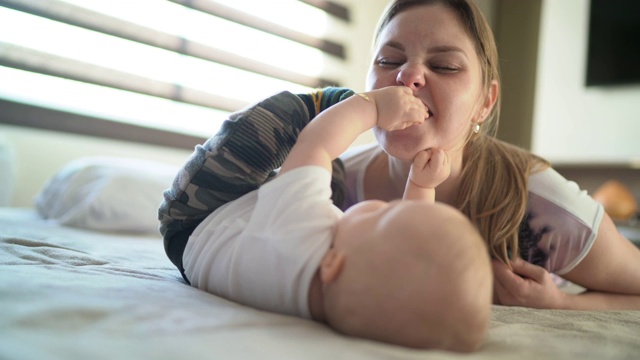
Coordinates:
<point>386,178</point>
<point>378,183</point>
<point>398,175</point>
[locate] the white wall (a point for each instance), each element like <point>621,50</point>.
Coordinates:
<point>7,178</point>
<point>364,17</point>
<point>573,123</point>
<point>38,154</point>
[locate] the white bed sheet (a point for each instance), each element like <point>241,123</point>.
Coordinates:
<point>67,293</point>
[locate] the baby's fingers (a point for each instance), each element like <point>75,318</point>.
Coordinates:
<point>411,118</point>
<point>421,159</point>
<point>439,157</point>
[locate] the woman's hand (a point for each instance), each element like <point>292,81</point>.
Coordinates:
<point>526,285</point>
<point>398,108</point>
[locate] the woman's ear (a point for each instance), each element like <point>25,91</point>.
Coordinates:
<point>489,101</point>
<point>331,265</point>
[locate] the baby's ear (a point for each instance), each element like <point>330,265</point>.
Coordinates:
<point>331,265</point>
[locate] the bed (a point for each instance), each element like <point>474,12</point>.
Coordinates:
<point>94,283</point>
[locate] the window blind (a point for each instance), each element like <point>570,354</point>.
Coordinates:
<point>159,71</point>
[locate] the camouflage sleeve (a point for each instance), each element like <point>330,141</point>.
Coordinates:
<point>243,155</point>
<point>320,100</point>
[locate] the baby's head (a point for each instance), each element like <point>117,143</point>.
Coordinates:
<point>410,273</point>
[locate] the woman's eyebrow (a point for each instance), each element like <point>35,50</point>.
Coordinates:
<point>446,48</point>
<point>394,44</point>
<point>432,49</point>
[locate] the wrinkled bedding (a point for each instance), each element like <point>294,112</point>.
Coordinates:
<point>67,293</point>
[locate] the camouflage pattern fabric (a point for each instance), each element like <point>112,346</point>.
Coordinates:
<point>242,156</point>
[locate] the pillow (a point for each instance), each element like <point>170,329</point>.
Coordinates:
<point>107,194</point>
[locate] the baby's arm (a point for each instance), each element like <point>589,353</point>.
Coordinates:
<point>429,169</point>
<point>335,129</point>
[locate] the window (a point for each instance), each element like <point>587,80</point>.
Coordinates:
<point>159,71</point>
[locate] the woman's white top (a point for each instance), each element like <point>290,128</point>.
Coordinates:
<point>561,221</point>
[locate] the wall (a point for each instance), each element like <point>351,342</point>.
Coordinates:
<point>489,10</point>
<point>573,123</point>
<point>38,154</point>
<point>364,17</point>
<point>516,31</point>
<point>589,134</point>
<point>7,178</point>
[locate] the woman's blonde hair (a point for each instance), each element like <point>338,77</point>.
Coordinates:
<point>493,184</point>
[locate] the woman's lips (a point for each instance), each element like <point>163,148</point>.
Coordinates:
<point>428,109</point>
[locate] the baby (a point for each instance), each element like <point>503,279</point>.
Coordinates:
<point>410,272</point>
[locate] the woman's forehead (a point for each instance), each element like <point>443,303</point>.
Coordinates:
<point>430,25</point>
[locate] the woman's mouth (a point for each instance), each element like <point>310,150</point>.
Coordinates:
<point>428,109</point>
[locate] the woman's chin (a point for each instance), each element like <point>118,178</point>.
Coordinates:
<point>402,144</point>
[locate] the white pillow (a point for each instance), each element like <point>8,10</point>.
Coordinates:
<point>107,194</point>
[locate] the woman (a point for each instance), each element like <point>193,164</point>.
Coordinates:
<point>444,51</point>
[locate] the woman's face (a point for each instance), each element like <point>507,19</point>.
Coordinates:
<point>426,49</point>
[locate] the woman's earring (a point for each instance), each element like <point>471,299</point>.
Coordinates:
<point>476,128</point>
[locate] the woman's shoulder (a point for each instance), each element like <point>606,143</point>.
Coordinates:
<point>561,223</point>
<point>551,185</point>
<point>542,179</point>
<point>555,194</point>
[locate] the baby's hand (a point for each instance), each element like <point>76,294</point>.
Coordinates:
<point>398,108</point>
<point>430,168</point>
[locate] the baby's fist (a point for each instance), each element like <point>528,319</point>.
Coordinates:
<point>430,168</point>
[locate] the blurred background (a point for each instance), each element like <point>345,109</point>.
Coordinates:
<point>152,78</point>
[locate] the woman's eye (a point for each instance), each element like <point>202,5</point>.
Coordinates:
<point>388,63</point>
<point>445,68</point>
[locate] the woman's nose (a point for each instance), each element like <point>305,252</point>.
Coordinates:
<point>412,76</point>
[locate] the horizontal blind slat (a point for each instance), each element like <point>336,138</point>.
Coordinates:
<point>239,17</point>
<point>337,10</point>
<point>35,61</point>
<point>32,116</point>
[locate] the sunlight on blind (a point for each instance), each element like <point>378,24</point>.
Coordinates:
<point>222,34</point>
<point>52,64</point>
<point>309,20</point>
<point>139,59</point>
<point>108,103</point>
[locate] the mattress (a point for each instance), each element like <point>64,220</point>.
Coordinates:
<point>69,293</point>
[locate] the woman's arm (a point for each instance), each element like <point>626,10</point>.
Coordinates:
<point>610,272</point>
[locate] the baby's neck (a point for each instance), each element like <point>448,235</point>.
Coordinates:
<point>316,299</point>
